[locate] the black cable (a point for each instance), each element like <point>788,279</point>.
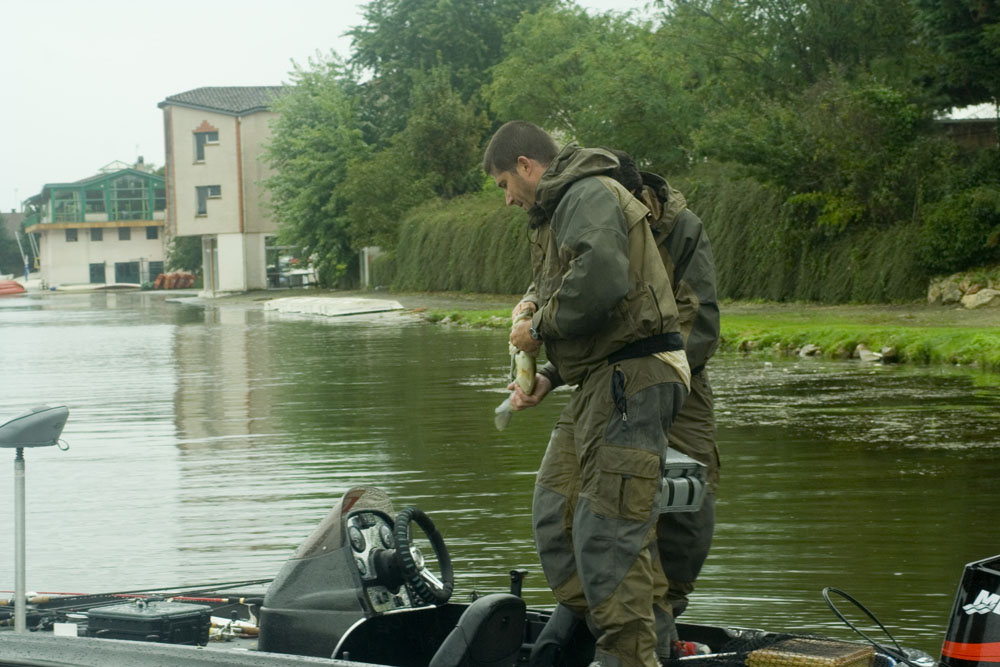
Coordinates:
<point>898,654</point>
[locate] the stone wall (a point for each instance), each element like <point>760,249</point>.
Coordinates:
<point>980,289</point>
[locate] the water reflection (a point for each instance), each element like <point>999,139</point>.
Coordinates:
<point>207,443</point>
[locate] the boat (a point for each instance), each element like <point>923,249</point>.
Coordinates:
<point>331,306</point>
<point>358,591</point>
<point>96,287</point>
<point>11,288</point>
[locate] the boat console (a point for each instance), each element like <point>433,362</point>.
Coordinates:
<point>358,589</point>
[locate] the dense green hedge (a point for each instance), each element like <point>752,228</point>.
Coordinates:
<point>765,248</point>
<point>468,244</point>
<point>476,244</point>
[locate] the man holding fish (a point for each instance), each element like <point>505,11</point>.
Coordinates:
<point>603,306</point>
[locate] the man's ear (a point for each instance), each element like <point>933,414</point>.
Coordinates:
<point>524,165</point>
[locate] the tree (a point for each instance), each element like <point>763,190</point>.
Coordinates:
<point>436,154</point>
<point>401,38</point>
<point>603,80</point>
<point>184,254</point>
<point>443,135</point>
<point>845,152</point>
<point>316,135</point>
<point>965,35</point>
<point>10,256</point>
<point>775,48</point>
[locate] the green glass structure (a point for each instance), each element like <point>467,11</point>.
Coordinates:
<point>125,194</point>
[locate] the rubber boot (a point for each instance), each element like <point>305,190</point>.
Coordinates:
<point>554,637</point>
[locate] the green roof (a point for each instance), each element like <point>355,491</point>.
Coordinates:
<point>234,100</point>
<point>90,180</point>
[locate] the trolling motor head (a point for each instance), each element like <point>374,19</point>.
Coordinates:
<point>39,428</point>
<point>973,638</point>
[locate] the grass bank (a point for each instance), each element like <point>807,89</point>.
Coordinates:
<point>918,334</point>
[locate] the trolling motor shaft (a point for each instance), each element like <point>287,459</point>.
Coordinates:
<point>39,428</point>
<point>20,593</point>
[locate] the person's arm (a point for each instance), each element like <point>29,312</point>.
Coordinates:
<point>695,288</point>
<point>590,228</point>
<point>527,304</point>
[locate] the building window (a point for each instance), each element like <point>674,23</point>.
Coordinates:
<point>155,269</point>
<point>130,199</point>
<point>97,273</point>
<point>159,199</point>
<point>66,206</point>
<point>96,234</point>
<point>127,272</point>
<point>202,139</point>
<point>152,233</point>
<point>94,201</point>
<point>70,236</point>
<point>206,192</point>
<point>124,233</point>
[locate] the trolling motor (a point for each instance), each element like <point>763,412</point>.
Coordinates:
<point>39,428</point>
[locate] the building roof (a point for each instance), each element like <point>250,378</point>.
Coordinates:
<point>233,100</point>
<point>975,112</point>
<point>104,176</point>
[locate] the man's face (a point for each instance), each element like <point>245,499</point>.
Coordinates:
<point>520,183</point>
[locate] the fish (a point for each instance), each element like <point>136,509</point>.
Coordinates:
<point>502,414</point>
<point>522,371</point>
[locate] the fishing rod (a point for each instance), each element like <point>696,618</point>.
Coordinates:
<point>196,593</point>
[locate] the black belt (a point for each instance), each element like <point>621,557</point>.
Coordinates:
<point>668,342</point>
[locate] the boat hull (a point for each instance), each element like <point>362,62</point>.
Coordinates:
<point>11,288</point>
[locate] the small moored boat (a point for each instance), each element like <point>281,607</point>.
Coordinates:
<point>11,288</point>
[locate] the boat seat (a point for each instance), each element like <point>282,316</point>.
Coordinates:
<point>39,428</point>
<point>489,633</point>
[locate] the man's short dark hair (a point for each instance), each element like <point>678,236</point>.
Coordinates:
<point>627,172</point>
<point>514,139</point>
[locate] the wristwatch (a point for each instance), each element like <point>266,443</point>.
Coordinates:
<point>533,332</point>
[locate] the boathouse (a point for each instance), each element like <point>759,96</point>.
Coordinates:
<point>103,229</point>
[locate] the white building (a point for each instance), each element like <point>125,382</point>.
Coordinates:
<point>102,229</point>
<point>214,140</point>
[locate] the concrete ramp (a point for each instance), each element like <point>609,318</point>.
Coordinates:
<point>331,306</point>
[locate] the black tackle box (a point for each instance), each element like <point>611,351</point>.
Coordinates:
<point>152,621</point>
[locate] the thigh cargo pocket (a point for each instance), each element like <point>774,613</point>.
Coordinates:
<point>627,482</point>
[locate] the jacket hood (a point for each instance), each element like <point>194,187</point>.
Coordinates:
<point>572,164</point>
<point>670,202</point>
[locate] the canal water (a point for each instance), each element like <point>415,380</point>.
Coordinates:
<point>206,442</point>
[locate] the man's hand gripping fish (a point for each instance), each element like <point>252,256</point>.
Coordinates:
<point>522,371</point>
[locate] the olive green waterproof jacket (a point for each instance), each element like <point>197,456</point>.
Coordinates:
<point>599,281</point>
<point>687,256</point>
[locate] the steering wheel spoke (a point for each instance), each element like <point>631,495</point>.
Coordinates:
<point>429,577</point>
<point>423,583</point>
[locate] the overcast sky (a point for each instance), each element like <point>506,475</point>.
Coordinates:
<point>80,80</point>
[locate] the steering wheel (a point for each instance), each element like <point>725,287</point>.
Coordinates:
<point>420,580</point>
